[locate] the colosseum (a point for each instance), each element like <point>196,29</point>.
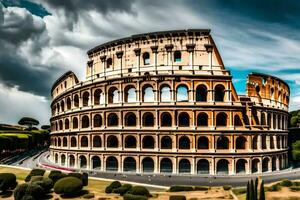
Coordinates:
<point>163,102</point>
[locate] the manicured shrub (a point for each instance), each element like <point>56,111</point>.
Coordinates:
<point>134,197</point>
<point>56,175</point>
<point>177,197</point>
<point>296,183</point>
<point>139,190</point>
<point>180,188</point>
<point>7,181</point>
<point>28,197</point>
<point>89,196</point>
<point>20,191</point>
<point>201,188</point>
<point>274,188</point>
<point>36,178</point>
<point>286,183</point>
<point>68,186</point>
<point>123,189</point>
<point>35,190</point>
<point>295,188</point>
<point>226,187</point>
<point>239,191</point>
<point>112,186</point>
<point>34,172</point>
<point>46,184</point>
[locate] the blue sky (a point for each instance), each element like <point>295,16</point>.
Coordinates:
<point>42,39</point>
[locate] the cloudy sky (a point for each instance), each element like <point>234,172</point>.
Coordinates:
<point>41,39</point>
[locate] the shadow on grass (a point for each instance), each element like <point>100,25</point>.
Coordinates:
<point>6,194</point>
<point>82,192</point>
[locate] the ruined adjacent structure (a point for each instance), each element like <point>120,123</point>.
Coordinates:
<point>163,102</point>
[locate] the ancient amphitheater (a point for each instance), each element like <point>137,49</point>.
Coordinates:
<point>163,102</point>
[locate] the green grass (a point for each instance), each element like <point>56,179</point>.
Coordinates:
<point>19,135</point>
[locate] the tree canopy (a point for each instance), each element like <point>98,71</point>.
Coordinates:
<point>28,121</point>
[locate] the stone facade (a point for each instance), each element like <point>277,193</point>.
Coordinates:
<point>163,102</point>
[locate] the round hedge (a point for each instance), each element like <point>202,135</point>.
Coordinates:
<point>68,186</point>
<point>140,190</point>
<point>28,197</point>
<point>20,191</point>
<point>35,190</point>
<point>7,181</point>
<point>114,185</point>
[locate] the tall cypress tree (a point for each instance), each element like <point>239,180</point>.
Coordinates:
<point>262,191</point>
<point>255,188</point>
<point>248,191</point>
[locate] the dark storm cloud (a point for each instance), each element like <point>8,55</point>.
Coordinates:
<point>72,8</point>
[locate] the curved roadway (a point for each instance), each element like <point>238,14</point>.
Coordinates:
<point>41,159</point>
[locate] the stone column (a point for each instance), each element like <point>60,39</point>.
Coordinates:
<point>119,56</point>
<point>213,166</point>
<point>190,49</point>
<point>209,49</point>
<point>137,52</point>
<point>259,142</point>
<point>154,51</point>
<point>169,48</point>
<point>103,60</point>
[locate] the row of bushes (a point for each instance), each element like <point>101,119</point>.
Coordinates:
<point>183,188</point>
<point>128,191</point>
<point>294,186</point>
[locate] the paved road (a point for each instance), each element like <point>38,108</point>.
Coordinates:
<point>167,180</point>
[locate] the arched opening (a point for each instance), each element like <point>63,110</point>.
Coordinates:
<point>59,142</point>
<point>111,164</point>
<point>263,119</point>
<point>263,142</point>
<point>184,166</point>
<point>130,119</point>
<point>63,160</point>
<point>98,97</point>
<point>201,93</point>
<point>237,121</point>
<point>129,165</point>
<point>221,119</point>
<point>148,165</point>
<point>222,143</point>
<point>69,104</point>
<point>71,161</point>
<point>109,63</point>
<point>130,94</point>
<point>112,141</point>
<point>148,142</point>
<point>202,119</point>
<point>166,119</point>
<point>278,142</point>
<point>177,56</point>
<point>148,94</point>
<point>271,142</point>
<point>85,98</point>
<point>254,142</point>
<point>97,141</point>
<point>96,163</point>
<point>85,122</point>
<point>166,142</point>
<point>61,127</point>
<point>62,105</point>
<point>241,166</point>
<point>56,158</point>
<point>202,166</point>
<point>58,107</point>
<point>113,95</point>
<point>130,142</point>
<point>97,121</point>
<point>219,93</point>
<point>73,142</point>
<point>273,163</point>
<point>184,119</point>
<point>83,161</point>
<point>113,119</point>
<point>67,124</point>
<point>265,164</point>
<point>166,166</point>
<point>255,163</point>
<point>222,166</point>
<point>146,58</point>
<point>148,119</point>
<point>76,100</point>
<point>75,122</point>
<point>165,94</point>
<point>241,142</point>
<point>269,120</point>
<point>65,142</point>
<point>184,142</point>
<point>182,93</point>
<point>203,143</point>
<point>84,141</point>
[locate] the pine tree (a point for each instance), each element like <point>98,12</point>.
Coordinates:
<point>262,191</point>
<point>255,188</point>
